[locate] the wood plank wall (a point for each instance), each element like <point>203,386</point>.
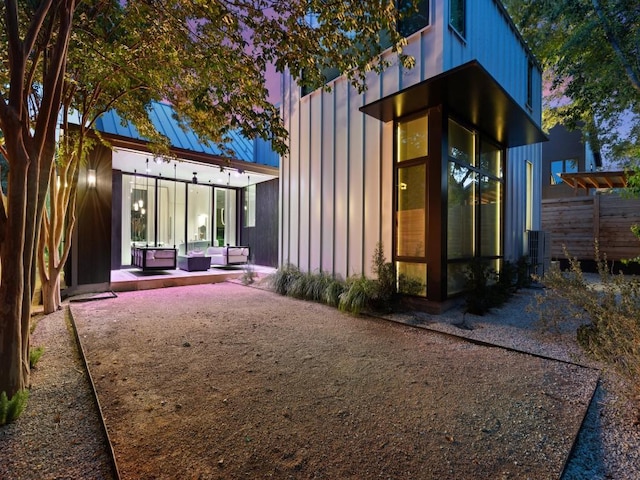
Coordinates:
<point>578,222</point>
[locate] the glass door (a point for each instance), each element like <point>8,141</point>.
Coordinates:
<point>225,216</point>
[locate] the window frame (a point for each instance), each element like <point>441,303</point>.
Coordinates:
<point>458,24</point>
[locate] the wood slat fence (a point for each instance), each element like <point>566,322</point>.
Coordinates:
<point>577,222</point>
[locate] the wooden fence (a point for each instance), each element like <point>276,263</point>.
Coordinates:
<point>577,222</point>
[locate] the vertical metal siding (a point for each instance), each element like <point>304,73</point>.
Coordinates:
<point>315,185</point>
<point>337,182</point>
<point>327,129</point>
<point>341,179</point>
<point>303,183</point>
<point>356,149</point>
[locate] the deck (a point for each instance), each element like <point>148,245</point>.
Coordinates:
<point>135,279</point>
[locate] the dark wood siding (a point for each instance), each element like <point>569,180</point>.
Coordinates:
<point>116,220</point>
<point>93,247</point>
<point>263,238</point>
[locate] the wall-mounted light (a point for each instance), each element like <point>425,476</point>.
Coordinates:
<point>91,178</point>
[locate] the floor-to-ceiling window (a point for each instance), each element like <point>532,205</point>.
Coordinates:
<point>411,199</point>
<point>199,205</point>
<point>474,203</point>
<point>168,213</point>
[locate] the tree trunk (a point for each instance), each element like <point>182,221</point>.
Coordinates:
<point>12,284</point>
<point>51,295</point>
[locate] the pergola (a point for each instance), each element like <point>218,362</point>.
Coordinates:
<point>588,180</point>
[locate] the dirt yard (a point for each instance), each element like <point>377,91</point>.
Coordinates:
<point>224,381</point>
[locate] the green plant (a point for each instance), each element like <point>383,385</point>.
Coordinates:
<point>611,309</point>
<point>282,279</point>
<point>385,273</point>
<point>34,356</point>
<point>10,409</point>
<point>484,287</point>
<point>332,292</point>
<point>248,274</point>
<point>358,295</point>
<point>523,275</point>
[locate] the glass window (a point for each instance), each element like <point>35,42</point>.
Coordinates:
<point>170,213</point>
<point>412,278</point>
<point>413,16</point>
<point>491,159</point>
<point>199,203</point>
<point>461,144</point>
<point>411,214</point>
<point>412,139</point>
<point>225,219</point>
<point>474,203</point>
<point>562,166</point>
<point>490,221</point>
<point>456,16</point>
<point>461,211</point>
<point>529,83</point>
<point>250,206</point>
<point>529,205</point>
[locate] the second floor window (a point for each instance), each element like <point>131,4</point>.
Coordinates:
<point>414,16</point>
<point>457,16</point>
<point>562,166</point>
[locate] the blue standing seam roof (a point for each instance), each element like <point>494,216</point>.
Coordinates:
<point>163,119</point>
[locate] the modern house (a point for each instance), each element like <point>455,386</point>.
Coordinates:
<point>566,152</point>
<point>440,163</point>
<point>197,198</point>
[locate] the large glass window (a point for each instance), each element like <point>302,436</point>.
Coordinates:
<point>457,16</point>
<point>138,214</point>
<point>474,203</point>
<point>412,139</point>
<point>411,214</point>
<point>490,217</point>
<point>411,203</point>
<point>461,211</point>
<point>199,203</point>
<point>250,206</point>
<point>225,216</point>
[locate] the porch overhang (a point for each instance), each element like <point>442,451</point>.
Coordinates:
<point>588,180</point>
<point>471,94</point>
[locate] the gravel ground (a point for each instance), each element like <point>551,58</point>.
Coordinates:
<point>608,446</point>
<point>60,437</point>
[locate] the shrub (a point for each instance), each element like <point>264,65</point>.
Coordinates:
<point>611,309</point>
<point>282,279</point>
<point>358,295</point>
<point>248,274</point>
<point>34,356</point>
<point>332,292</point>
<point>486,288</point>
<point>10,409</point>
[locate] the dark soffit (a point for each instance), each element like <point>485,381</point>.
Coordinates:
<point>471,94</point>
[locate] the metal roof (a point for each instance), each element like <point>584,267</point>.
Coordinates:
<point>164,120</point>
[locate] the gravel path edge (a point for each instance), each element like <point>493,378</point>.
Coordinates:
<point>94,393</point>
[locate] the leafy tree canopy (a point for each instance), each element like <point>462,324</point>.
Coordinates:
<point>590,51</point>
<point>207,58</point>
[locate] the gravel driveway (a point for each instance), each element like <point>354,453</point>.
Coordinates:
<point>224,381</point>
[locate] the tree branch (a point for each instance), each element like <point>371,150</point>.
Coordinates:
<point>615,44</point>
